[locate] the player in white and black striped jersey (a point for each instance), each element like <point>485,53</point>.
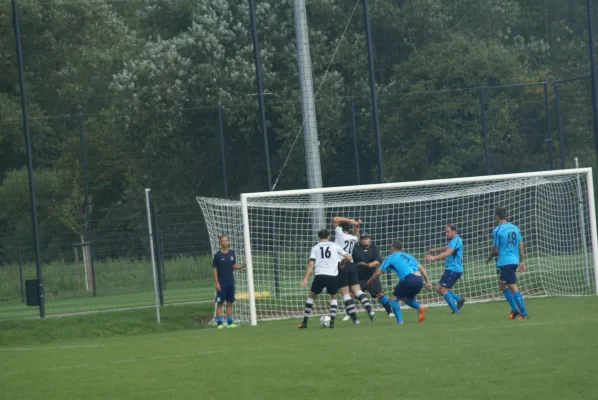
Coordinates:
<point>324,259</point>
<point>348,278</point>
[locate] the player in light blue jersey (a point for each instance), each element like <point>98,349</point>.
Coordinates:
<point>452,254</point>
<point>507,246</point>
<point>410,274</point>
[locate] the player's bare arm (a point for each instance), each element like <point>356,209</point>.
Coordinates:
<point>240,266</point>
<point>308,269</point>
<point>373,264</point>
<point>215,272</point>
<point>436,249</point>
<point>447,252</point>
<point>336,221</point>
<point>521,255</point>
<point>374,277</point>
<point>493,253</point>
<point>424,273</point>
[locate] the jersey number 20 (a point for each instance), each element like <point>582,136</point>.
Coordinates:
<point>348,246</point>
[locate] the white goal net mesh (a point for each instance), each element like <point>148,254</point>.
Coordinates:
<point>552,213</point>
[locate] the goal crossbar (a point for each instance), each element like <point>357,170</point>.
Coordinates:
<point>413,184</point>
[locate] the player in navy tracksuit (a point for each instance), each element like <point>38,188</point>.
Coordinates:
<point>225,261</point>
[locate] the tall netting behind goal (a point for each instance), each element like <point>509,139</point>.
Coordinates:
<point>554,211</point>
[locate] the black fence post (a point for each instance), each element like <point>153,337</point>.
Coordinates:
<point>160,239</point>
<point>548,131</point>
<point>21,275</point>
<point>222,150</point>
<point>590,18</point>
<point>559,123</point>
<point>81,119</point>
<point>355,147</point>
<point>260,90</point>
<point>27,131</point>
<point>158,253</point>
<point>484,129</point>
<point>373,93</point>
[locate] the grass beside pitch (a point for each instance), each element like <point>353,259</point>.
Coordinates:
<point>477,354</point>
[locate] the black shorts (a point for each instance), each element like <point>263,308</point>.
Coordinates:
<point>347,275</point>
<point>321,282</point>
<point>373,289</point>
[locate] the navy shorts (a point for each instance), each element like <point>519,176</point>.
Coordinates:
<point>507,274</point>
<point>226,293</point>
<point>409,287</point>
<point>449,278</point>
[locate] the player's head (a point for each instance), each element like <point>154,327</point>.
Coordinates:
<point>500,214</point>
<point>397,245</point>
<point>224,241</point>
<point>450,231</point>
<point>323,234</point>
<point>365,239</point>
<point>345,226</point>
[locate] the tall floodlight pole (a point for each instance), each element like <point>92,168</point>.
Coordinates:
<point>38,263</point>
<point>593,73</point>
<point>308,111</point>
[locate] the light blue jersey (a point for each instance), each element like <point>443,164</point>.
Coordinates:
<point>506,238</point>
<point>401,264</point>
<point>454,262</point>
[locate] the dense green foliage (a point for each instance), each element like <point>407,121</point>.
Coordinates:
<point>148,75</point>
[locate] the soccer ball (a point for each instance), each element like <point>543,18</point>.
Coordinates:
<point>325,321</point>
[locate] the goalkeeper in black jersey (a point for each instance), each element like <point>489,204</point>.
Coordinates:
<point>367,258</point>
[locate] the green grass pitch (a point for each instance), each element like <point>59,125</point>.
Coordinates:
<point>477,354</point>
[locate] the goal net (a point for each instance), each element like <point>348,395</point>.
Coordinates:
<point>274,232</point>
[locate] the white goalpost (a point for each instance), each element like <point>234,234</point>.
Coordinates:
<point>274,231</point>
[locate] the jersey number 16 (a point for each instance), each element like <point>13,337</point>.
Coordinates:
<point>325,253</point>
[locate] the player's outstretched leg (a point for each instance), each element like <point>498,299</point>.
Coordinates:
<point>229,315</point>
<point>219,315</point>
<point>520,304</point>
<point>443,288</point>
<point>397,310</point>
<point>350,308</point>
<point>363,299</point>
<point>333,311</point>
<point>460,301</point>
<point>309,304</point>
<point>448,297</point>
<point>511,300</point>
<point>347,316</point>
<point>416,306</point>
<point>386,304</point>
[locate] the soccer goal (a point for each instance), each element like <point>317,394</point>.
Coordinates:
<point>274,231</point>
